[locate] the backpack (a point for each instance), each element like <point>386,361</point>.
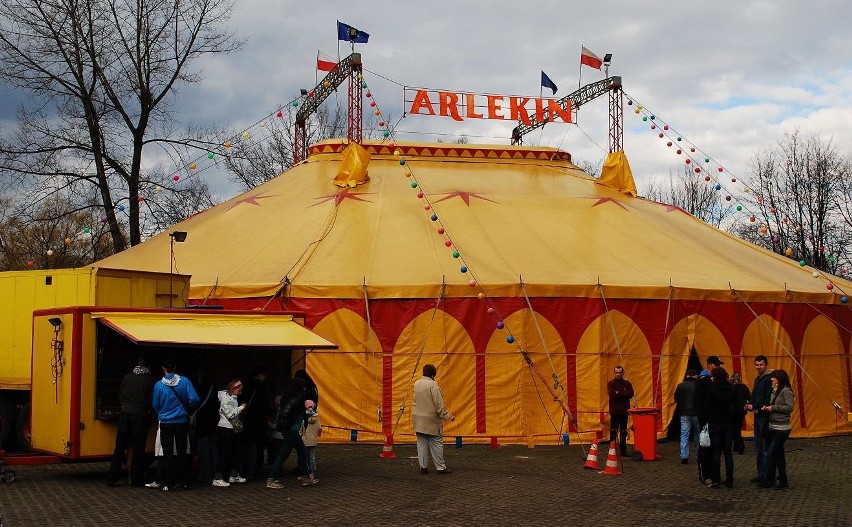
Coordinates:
<point>288,414</point>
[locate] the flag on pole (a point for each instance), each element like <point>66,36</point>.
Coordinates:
<point>325,62</point>
<point>348,33</point>
<point>590,59</point>
<point>547,83</point>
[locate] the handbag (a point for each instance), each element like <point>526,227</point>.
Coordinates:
<point>704,437</point>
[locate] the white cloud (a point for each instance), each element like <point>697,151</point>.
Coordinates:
<point>732,77</point>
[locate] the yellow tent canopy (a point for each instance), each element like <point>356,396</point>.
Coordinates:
<point>447,250</point>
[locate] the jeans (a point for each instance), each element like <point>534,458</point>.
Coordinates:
<point>228,452</point>
<point>721,439</point>
<point>761,437</point>
<point>292,440</point>
<point>688,423</point>
<point>312,459</point>
<point>173,437</point>
<point>775,458</point>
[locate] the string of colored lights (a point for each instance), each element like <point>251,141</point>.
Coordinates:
<point>693,155</point>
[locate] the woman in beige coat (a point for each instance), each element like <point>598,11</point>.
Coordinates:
<point>428,414</point>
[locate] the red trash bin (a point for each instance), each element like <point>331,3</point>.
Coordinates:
<point>645,432</point>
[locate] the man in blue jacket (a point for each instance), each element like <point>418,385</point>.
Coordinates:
<point>173,400</point>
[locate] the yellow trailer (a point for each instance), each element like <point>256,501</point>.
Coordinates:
<point>81,354</point>
<point>22,292</point>
<point>69,336</point>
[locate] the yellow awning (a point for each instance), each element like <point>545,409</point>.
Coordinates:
<point>219,329</point>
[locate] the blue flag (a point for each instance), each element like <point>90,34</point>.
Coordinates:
<point>350,34</point>
<point>547,83</point>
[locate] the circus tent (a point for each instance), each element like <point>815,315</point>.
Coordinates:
<point>524,279</point>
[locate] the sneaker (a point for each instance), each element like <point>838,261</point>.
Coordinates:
<point>237,479</point>
<point>272,484</point>
<point>684,461</point>
<point>221,483</point>
<point>153,485</point>
<point>165,488</point>
<point>310,480</point>
<point>713,486</point>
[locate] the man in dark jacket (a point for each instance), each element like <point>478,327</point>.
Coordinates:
<point>620,392</point>
<point>701,388</point>
<point>133,422</point>
<point>760,396</point>
<point>684,397</point>
<point>254,436</point>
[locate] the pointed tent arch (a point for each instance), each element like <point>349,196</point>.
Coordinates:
<point>446,344</point>
<point>510,383</point>
<point>350,398</point>
<point>598,352</point>
<point>692,331</point>
<point>823,378</point>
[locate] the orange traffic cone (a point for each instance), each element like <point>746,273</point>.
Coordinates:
<point>592,460</point>
<point>387,449</point>
<point>612,468</point>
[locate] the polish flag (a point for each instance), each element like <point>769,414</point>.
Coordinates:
<point>590,59</point>
<point>326,63</point>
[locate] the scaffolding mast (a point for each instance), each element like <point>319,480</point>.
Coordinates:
<point>349,68</point>
<point>587,93</point>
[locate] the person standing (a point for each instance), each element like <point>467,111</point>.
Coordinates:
<point>721,414</point>
<point>428,413</point>
<point>206,419</point>
<point>620,391</point>
<point>311,432</point>
<point>228,428</point>
<point>173,400</point>
<point>743,395</point>
<point>254,437</point>
<point>684,397</point>
<point>779,409</point>
<point>289,423</point>
<point>760,394</point>
<point>702,387</point>
<point>133,422</point>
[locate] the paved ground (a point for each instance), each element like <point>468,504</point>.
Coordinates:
<point>512,485</point>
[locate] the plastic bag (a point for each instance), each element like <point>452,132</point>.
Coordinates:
<point>704,437</point>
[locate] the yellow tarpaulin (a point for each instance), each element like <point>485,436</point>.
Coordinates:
<point>616,174</point>
<point>353,168</point>
<point>214,330</point>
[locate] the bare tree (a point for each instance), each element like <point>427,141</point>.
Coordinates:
<point>52,236</point>
<point>258,159</point>
<point>101,74</point>
<point>694,195</point>
<point>796,191</point>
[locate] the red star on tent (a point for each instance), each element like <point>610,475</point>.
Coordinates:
<point>465,196</point>
<point>341,195</point>
<point>605,200</point>
<point>252,200</point>
<point>670,208</point>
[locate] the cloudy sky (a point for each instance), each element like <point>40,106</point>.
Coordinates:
<point>729,77</point>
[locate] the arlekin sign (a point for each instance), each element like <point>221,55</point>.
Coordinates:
<point>462,105</point>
